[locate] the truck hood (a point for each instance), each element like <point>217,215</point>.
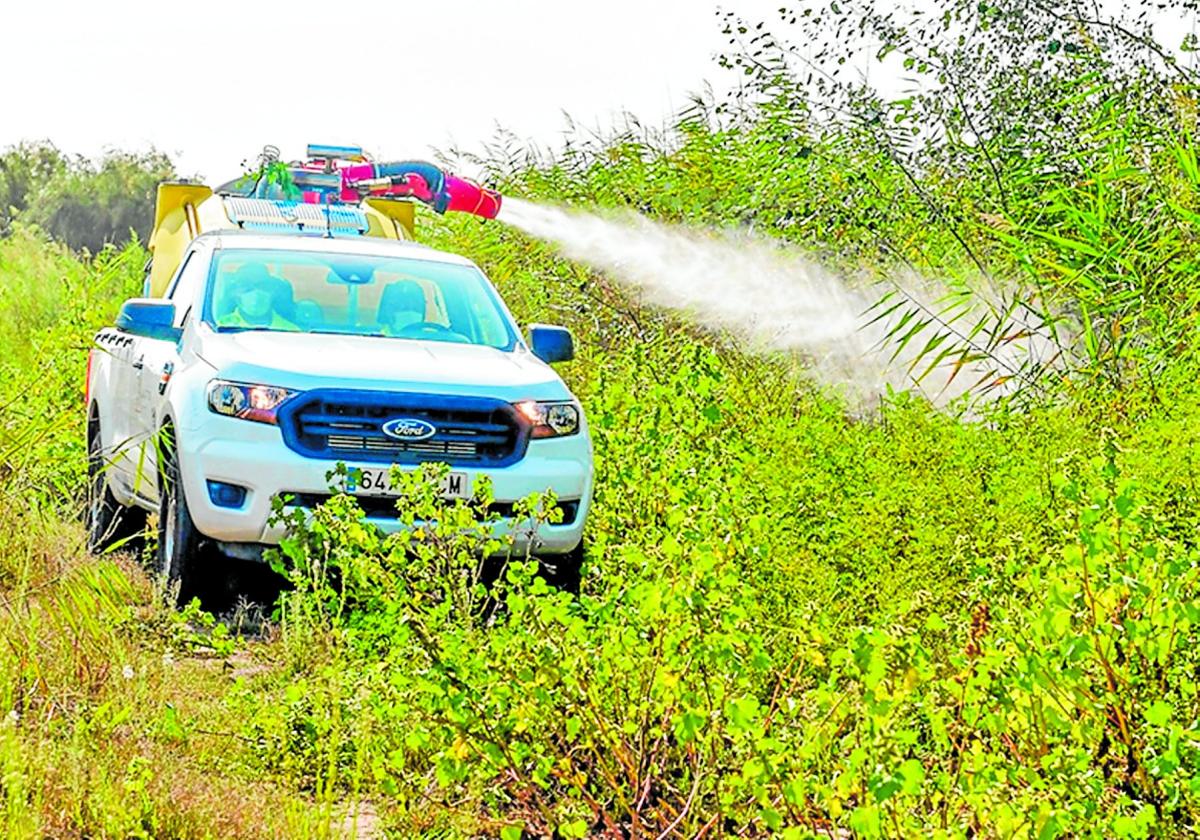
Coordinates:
<point>305,361</point>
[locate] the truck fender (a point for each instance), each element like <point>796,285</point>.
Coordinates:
<point>100,410</point>
<point>99,390</point>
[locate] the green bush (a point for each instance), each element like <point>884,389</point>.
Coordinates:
<point>23,170</point>
<point>83,204</point>
<point>1049,691</point>
<point>51,302</point>
<point>89,205</point>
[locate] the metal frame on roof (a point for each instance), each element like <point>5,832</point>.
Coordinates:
<point>270,214</point>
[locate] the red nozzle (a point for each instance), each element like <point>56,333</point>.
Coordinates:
<point>466,197</point>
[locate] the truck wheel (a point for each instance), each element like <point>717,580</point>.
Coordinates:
<point>110,524</point>
<point>178,539</point>
<point>565,571</point>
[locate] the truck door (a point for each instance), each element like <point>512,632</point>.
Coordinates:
<point>154,362</point>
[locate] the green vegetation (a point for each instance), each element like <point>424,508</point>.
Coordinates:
<point>82,203</point>
<point>794,619</point>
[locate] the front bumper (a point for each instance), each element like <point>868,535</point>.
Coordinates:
<point>254,456</point>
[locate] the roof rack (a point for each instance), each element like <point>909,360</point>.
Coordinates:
<point>267,214</point>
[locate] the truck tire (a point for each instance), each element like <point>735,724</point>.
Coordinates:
<point>110,524</point>
<point>565,571</point>
<point>178,539</point>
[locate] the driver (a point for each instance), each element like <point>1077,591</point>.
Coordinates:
<point>402,306</point>
<point>254,301</point>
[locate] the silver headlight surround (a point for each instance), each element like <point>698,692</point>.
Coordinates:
<point>551,418</point>
<point>247,401</point>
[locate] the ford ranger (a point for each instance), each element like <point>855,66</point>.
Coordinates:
<point>272,354</point>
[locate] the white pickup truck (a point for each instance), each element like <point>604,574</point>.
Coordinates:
<point>273,356</point>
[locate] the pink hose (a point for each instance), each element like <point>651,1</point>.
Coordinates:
<point>412,179</point>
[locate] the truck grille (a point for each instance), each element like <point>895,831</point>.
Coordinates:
<point>349,425</point>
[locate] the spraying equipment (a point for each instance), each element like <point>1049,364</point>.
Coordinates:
<point>335,191</point>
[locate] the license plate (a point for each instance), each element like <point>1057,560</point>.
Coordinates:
<point>377,481</point>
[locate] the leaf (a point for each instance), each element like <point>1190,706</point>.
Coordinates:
<point>575,828</point>
<point>913,774</point>
<point>1124,505</point>
<point>172,727</point>
<point>771,818</point>
<point>1159,713</point>
<point>1124,826</point>
<point>689,726</point>
<point>1069,244</point>
<point>742,713</point>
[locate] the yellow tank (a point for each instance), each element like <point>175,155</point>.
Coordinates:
<point>184,211</point>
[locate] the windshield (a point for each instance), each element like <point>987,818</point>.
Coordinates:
<point>355,294</point>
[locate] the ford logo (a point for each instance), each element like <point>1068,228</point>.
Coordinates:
<point>409,428</point>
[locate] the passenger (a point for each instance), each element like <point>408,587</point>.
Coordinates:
<point>253,291</point>
<point>308,315</point>
<point>401,306</point>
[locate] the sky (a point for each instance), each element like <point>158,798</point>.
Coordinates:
<point>211,82</point>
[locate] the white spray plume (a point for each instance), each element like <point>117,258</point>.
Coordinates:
<point>769,296</point>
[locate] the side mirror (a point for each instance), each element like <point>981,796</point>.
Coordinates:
<point>551,344</point>
<point>149,318</point>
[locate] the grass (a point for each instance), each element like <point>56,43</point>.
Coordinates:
<point>114,721</point>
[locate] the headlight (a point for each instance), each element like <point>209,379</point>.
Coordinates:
<point>246,402</point>
<point>550,419</point>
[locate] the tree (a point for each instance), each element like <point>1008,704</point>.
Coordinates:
<point>23,169</point>
<point>90,204</point>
